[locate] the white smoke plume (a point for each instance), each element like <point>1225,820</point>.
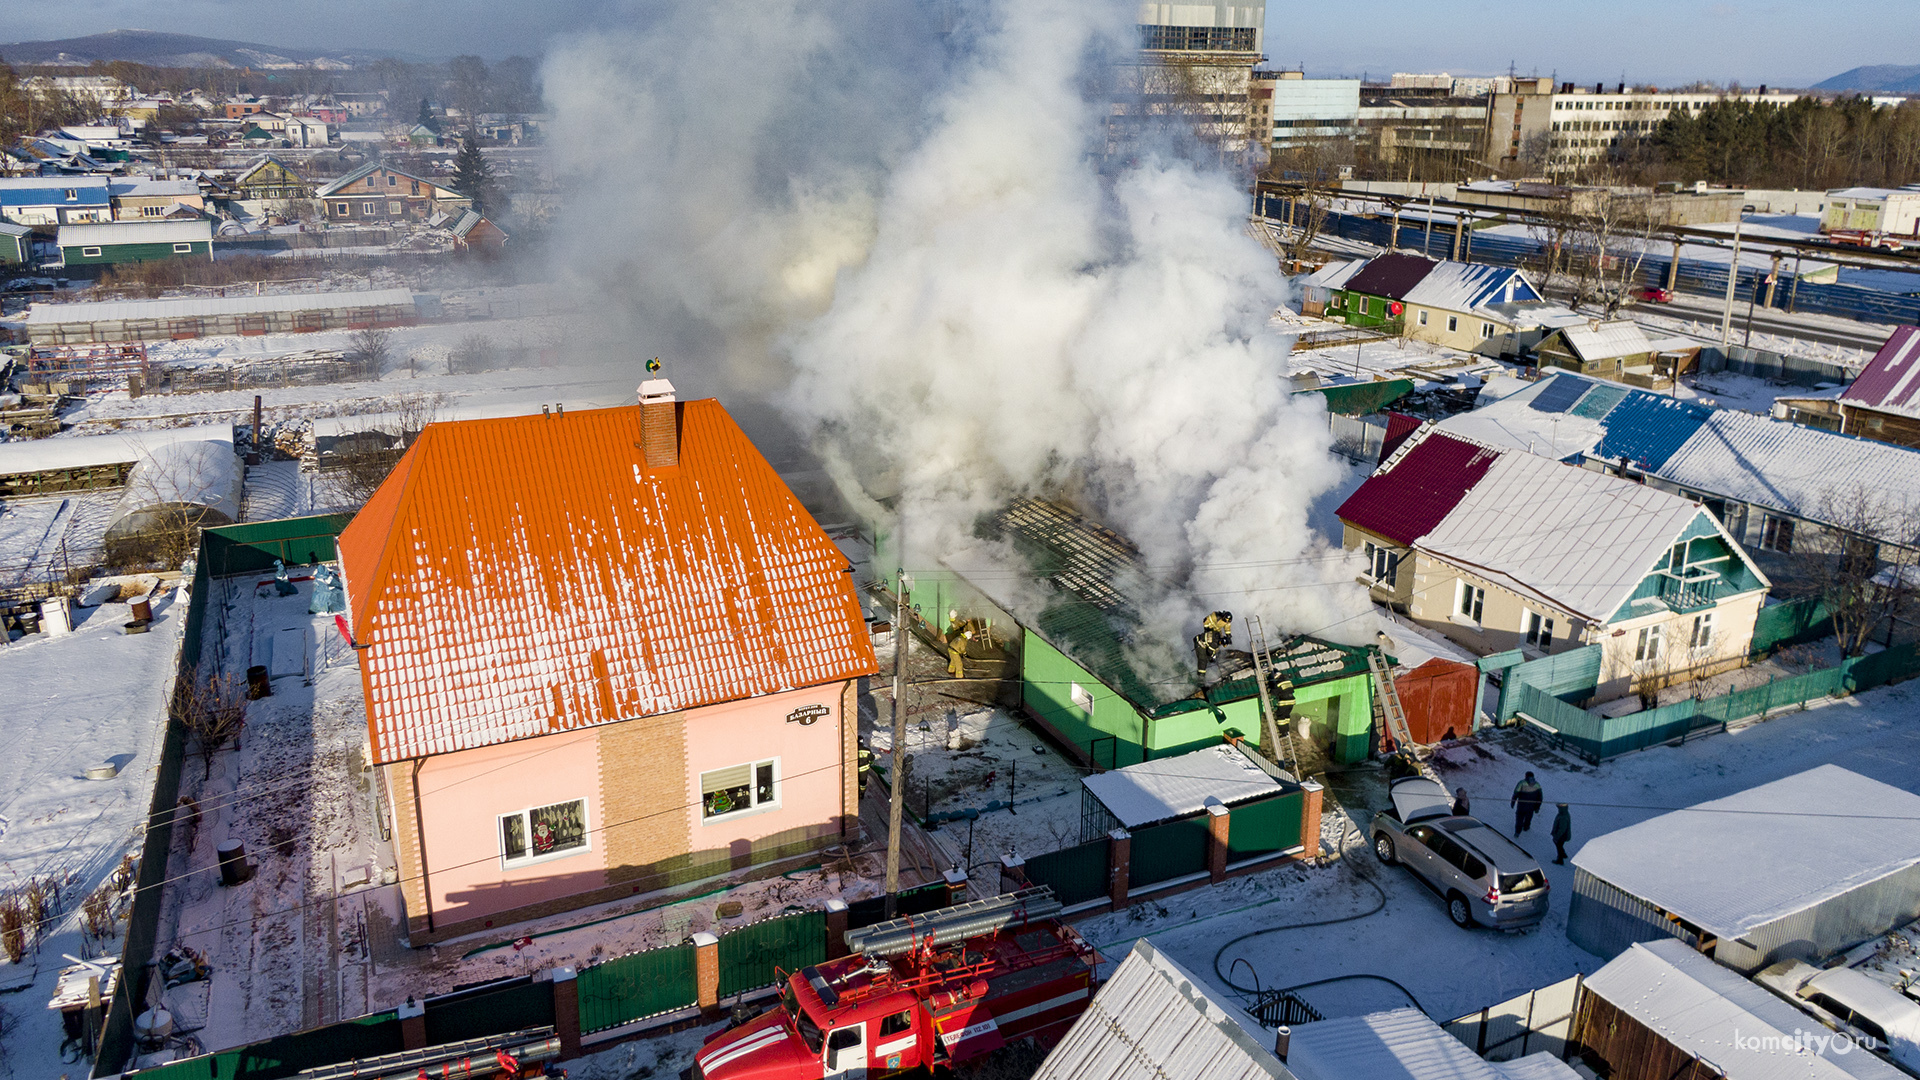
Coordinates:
<point>946,292</point>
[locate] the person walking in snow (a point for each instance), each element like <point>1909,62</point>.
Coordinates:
<point>1526,803</point>
<point>1562,832</point>
<point>1462,806</point>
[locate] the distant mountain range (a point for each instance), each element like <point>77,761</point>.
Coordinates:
<point>180,50</point>
<point>1876,79</point>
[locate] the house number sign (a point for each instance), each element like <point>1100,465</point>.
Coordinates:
<point>807,714</point>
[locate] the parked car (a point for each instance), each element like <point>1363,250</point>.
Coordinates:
<point>1848,1000</point>
<point>1484,877</point>
<point>1654,294</point>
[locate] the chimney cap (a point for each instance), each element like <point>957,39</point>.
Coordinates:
<point>655,390</point>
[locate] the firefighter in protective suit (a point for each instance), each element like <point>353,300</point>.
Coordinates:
<point>957,654</point>
<point>1216,633</point>
<point>865,759</point>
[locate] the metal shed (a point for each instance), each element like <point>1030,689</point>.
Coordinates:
<point>1768,874</point>
<point>1402,1044</point>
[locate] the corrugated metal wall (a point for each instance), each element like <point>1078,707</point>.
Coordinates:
<point>1604,920</point>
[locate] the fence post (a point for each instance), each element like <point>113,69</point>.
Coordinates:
<point>1310,803</point>
<point>1219,821</point>
<point>1013,873</point>
<point>1119,863</point>
<point>836,928</point>
<point>566,1010</point>
<point>956,886</point>
<point>706,971</point>
<point>413,1025</point>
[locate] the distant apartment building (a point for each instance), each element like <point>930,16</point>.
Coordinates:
<point>1562,131</point>
<point>1305,111</point>
<point>1194,67</point>
<point>1401,125</point>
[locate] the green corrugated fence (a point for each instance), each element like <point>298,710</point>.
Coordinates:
<point>1076,874</point>
<point>1790,624</point>
<point>1268,825</point>
<point>271,1059</point>
<point>638,985</point>
<point>749,955</point>
<point>1570,676</point>
<point>489,1010</point>
<point>1164,852</point>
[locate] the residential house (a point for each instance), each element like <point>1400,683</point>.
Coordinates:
<point>378,193</point>
<point>1500,549</point>
<point>16,244</point>
<point>305,131</point>
<point>1883,401</point>
<point>1757,877</point>
<point>1662,1011</point>
<point>1492,310</point>
<point>56,200</point>
<point>268,179</point>
<point>362,105</point>
<point>1871,209</point>
<point>1784,491</point>
<point>143,199</point>
<point>1616,350</point>
<point>604,653</point>
<point>238,110</point>
<point>135,241</point>
<point>472,232</point>
<point>1402,1044</point>
<point>1155,1020</point>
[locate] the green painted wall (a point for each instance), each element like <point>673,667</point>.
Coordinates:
<point>1182,732</point>
<point>1047,679</point>
<point>1348,722</point>
<point>14,250</point>
<point>124,253</point>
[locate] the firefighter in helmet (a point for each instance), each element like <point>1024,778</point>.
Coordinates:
<point>865,759</point>
<point>1216,633</point>
<point>957,654</point>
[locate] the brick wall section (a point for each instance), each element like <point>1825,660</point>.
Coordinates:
<point>406,846</point>
<point>660,432</point>
<point>1310,820</point>
<point>643,766</point>
<point>1219,822</point>
<point>850,760</point>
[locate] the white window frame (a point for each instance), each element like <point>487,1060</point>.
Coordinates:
<point>1383,564</point>
<point>89,252</point>
<point>1650,644</point>
<point>369,209</point>
<point>756,805</point>
<point>152,211</point>
<point>183,249</point>
<point>1423,317</point>
<point>510,862</point>
<point>1539,629</point>
<point>394,206</point>
<point>1453,324</point>
<point>1082,698</point>
<point>1701,639</point>
<point>1469,602</point>
<point>1486,331</point>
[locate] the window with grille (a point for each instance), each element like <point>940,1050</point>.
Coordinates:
<point>738,788</point>
<point>543,832</point>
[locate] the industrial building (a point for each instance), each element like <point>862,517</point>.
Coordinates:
<point>1194,69</point>
<point>191,317</point>
<point>1756,877</point>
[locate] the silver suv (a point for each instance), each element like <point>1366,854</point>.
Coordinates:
<point>1484,877</point>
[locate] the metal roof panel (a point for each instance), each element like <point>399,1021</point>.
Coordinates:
<point>1417,487</point>
<point>1891,380</point>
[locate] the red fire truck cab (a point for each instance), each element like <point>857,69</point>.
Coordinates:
<point>934,990</point>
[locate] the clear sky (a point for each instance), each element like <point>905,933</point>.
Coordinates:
<point>1660,41</point>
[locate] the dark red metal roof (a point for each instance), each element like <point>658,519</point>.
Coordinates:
<point>1399,426</point>
<point>1411,496</point>
<point>1392,275</point>
<point>1888,381</point>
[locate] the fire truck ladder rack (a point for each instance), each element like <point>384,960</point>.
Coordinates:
<point>1386,702</point>
<point>953,924</point>
<point>1281,749</point>
<point>467,1058</point>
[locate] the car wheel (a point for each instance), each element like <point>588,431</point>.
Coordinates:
<point>1459,910</point>
<point>1383,849</point>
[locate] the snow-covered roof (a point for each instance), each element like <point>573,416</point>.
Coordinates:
<point>197,231</point>
<point>87,451</point>
<point>1709,1010</point>
<point>1334,275</point>
<point>1869,192</point>
<point>8,228</point>
<point>607,588</point>
<point>147,188</point>
<point>1798,470</point>
<point>1153,1020</point>
<point>201,307</point>
<point>1605,341</point>
<point>1457,286</point>
<point>1401,1044</point>
<point>1737,863</point>
<point>203,474</point>
<point>1891,380</point>
<point>1177,787</point>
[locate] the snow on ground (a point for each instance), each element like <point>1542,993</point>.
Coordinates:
<point>45,535</point>
<point>76,701</point>
<point>1451,971</point>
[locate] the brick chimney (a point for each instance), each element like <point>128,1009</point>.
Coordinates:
<point>659,424</point>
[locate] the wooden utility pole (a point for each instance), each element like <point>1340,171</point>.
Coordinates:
<point>901,638</point>
<point>1733,275</point>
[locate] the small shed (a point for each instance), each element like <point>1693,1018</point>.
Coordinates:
<point>135,241</point>
<point>1764,875</point>
<point>1176,789</point>
<point>178,486</point>
<point>1154,1020</point>
<point>1402,1044</point>
<point>1606,350</point>
<point>1438,697</point>
<point>16,244</point>
<point>1659,1009</point>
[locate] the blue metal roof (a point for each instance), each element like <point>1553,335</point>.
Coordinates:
<point>1599,400</point>
<point>90,191</point>
<point>1560,394</point>
<point>1646,428</point>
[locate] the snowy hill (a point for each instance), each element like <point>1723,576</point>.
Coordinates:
<point>177,50</point>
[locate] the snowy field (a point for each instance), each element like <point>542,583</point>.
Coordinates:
<point>1451,971</point>
<point>85,699</point>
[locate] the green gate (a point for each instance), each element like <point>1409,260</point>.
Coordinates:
<point>790,942</point>
<point>1076,874</point>
<point>1162,852</point>
<point>488,1010</point>
<point>641,984</point>
<point>1268,825</point>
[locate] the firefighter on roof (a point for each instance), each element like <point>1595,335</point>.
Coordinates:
<point>1216,633</point>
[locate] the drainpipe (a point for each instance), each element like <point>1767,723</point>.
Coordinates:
<point>420,835</point>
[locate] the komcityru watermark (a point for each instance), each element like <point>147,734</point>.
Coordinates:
<point>1836,1043</point>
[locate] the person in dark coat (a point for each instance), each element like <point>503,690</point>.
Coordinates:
<point>1562,832</point>
<point>1526,803</point>
<point>1462,806</point>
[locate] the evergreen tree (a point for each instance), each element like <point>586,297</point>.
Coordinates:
<point>427,119</point>
<point>473,177</point>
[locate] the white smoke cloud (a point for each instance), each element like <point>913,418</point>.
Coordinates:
<point>955,298</point>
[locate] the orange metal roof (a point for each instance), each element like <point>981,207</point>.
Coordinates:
<point>519,576</point>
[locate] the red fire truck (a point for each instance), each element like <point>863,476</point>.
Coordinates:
<point>933,990</point>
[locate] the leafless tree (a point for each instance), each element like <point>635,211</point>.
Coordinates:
<point>170,491</point>
<point>361,466</point>
<point>1610,232</point>
<point>213,709</point>
<point>1865,565</point>
<point>369,351</point>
